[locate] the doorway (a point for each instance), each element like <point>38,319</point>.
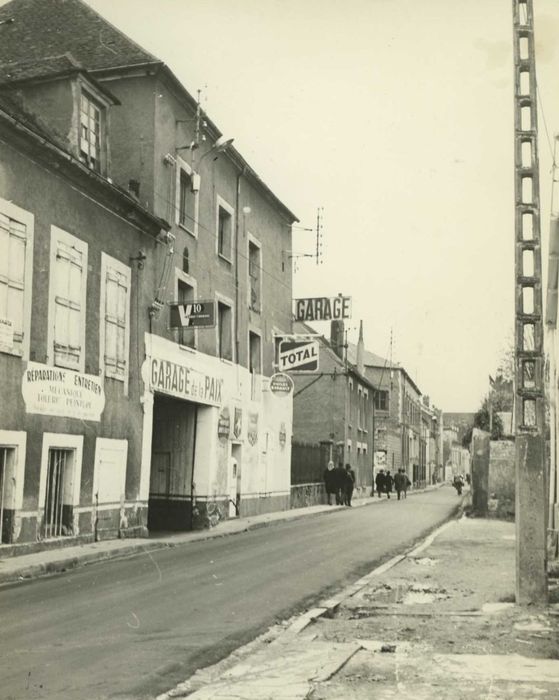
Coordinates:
<point>172,464</point>
<point>235,481</point>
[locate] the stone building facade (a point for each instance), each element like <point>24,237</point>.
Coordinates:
<point>147,209</point>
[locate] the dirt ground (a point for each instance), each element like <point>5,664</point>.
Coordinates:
<point>439,598</point>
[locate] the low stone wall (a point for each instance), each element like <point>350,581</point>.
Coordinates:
<point>502,479</point>
<point>304,495</point>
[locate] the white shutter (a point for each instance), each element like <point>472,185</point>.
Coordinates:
<point>117,289</point>
<point>17,282</point>
<point>111,303</point>
<point>68,306</point>
<point>121,327</point>
<point>12,273</point>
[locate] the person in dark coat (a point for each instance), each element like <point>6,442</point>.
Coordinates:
<point>379,483</point>
<point>349,484</point>
<point>399,482</point>
<point>388,483</point>
<point>330,481</point>
<point>340,477</point>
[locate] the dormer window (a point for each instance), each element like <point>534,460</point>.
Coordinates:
<point>90,132</point>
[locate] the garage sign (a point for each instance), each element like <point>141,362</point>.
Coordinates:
<point>322,308</point>
<point>298,354</point>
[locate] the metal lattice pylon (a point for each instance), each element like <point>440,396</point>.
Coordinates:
<point>531,557</point>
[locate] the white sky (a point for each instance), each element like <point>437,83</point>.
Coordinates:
<point>396,116</point>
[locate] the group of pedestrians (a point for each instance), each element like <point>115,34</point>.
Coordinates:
<point>385,482</point>
<point>339,482</point>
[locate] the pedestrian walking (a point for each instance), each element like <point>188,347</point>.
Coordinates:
<point>340,477</point>
<point>330,482</point>
<point>399,482</point>
<point>379,483</point>
<point>349,484</point>
<point>388,483</point>
<point>407,483</point>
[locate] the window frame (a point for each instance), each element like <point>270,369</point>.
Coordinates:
<point>107,263</point>
<point>185,278</point>
<point>85,92</point>
<point>56,235</point>
<point>183,167</point>
<point>16,440</point>
<point>222,204</point>
<point>62,441</point>
<point>381,393</point>
<point>255,377</point>
<point>28,219</point>
<point>258,333</point>
<point>254,242</point>
<point>225,301</point>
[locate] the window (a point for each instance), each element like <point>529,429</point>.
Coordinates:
<point>16,268</point>
<point>12,468</point>
<point>359,408</point>
<point>254,353</point>
<point>224,331</point>
<point>90,132</point>
<point>254,361</point>
<point>185,293</point>
<point>59,488</point>
<point>254,274</point>
<point>7,459</point>
<point>224,229</point>
<point>186,198</point>
<point>277,343</point>
<point>381,400</point>
<point>68,276</point>
<point>115,318</point>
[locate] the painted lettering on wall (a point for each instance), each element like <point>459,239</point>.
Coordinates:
<point>184,382</point>
<point>62,392</point>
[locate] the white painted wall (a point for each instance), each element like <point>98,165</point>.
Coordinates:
<point>266,465</point>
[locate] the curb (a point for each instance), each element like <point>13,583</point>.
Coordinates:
<point>327,608</point>
<point>33,571</point>
<point>59,566</point>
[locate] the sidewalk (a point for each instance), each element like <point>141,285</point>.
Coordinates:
<point>26,566</point>
<point>438,622</point>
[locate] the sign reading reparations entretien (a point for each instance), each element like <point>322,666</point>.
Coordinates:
<point>54,391</point>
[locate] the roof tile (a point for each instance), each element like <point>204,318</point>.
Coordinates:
<point>47,28</point>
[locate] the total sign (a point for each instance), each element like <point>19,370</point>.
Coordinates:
<point>298,354</point>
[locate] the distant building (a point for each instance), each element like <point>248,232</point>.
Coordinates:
<point>333,406</point>
<point>460,422</point>
<point>456,457</point>
<point>403,423</point>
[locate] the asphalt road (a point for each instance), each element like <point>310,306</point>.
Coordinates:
<point>133,628</point>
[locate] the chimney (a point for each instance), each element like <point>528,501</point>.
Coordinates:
<point>360,351</point>
<point>337,337</point>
